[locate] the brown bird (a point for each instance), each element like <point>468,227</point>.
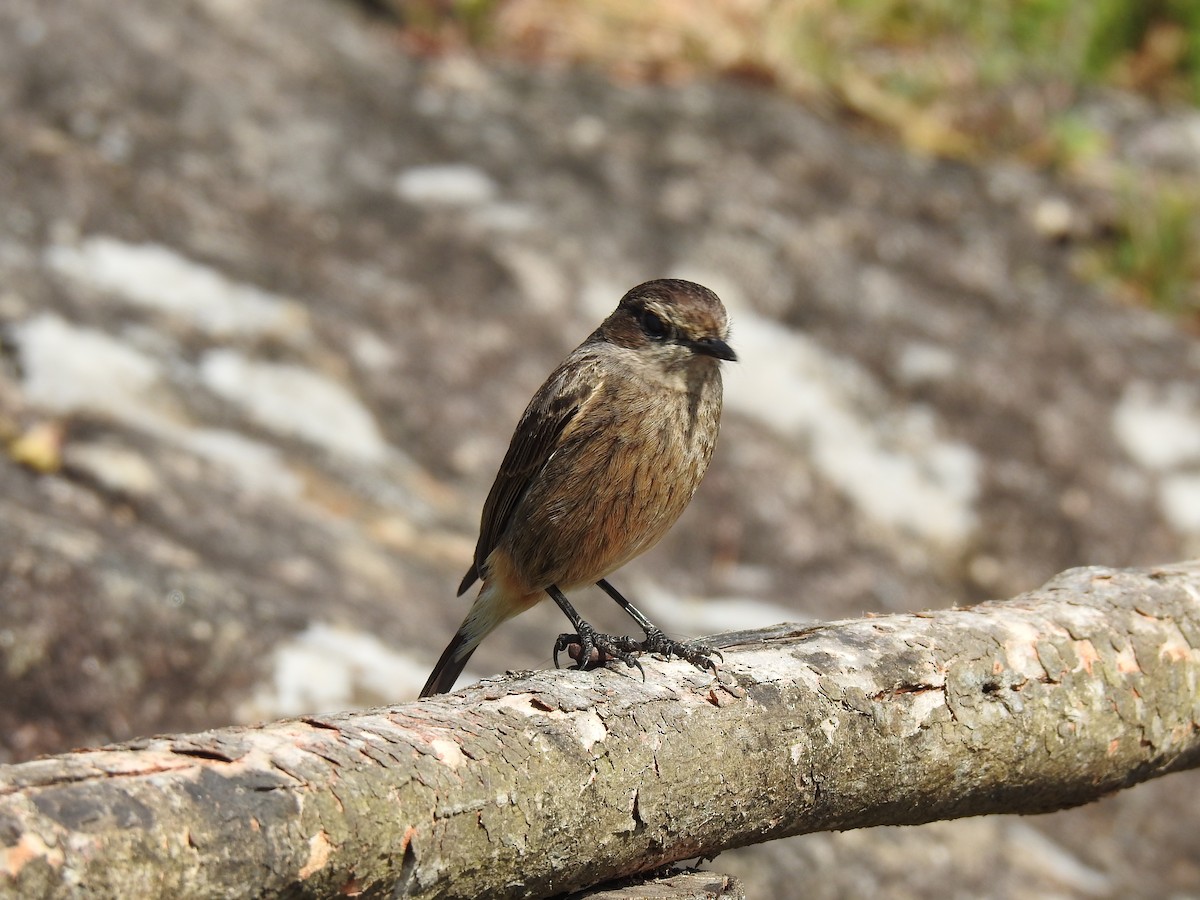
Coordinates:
<point>605,458</point>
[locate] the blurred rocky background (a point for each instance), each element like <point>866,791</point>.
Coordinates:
<point>277,278</point>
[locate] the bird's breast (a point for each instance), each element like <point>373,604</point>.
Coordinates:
<point>620,478</point>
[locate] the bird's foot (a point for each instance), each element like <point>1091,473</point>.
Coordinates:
<point>595,649</point>
<point>698,654</point>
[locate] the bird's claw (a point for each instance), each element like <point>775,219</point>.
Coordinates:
<point>623,648</point>
<point>698,654</point>
<point>606,646</point>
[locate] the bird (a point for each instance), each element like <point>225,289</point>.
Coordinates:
<point>604,460</point>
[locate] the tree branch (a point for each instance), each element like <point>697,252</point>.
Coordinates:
<point>542,783</point>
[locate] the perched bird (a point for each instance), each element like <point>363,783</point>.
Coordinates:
<point>605,458</point>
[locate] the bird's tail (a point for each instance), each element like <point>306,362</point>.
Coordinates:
<point>453,660</point>
<point>493,605</point>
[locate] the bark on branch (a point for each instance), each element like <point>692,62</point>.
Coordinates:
<point>537,784</point>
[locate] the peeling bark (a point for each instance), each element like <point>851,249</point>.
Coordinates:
<point>537,784</point>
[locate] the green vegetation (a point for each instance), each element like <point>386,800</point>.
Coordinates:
<point>1164,33</point>
<point>1157,252</point>
<point>1148,44</point>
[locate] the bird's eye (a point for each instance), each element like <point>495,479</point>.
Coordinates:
<point>655,328</point>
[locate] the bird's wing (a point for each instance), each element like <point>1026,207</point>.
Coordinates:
<point>537,436</point>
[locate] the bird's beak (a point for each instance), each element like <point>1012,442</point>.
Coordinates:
<point>714,347</point>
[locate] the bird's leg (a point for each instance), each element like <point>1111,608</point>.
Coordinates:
<point>589,639</point>
<point>699,655</point>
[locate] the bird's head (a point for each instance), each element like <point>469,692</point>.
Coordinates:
<point>675,321</point>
